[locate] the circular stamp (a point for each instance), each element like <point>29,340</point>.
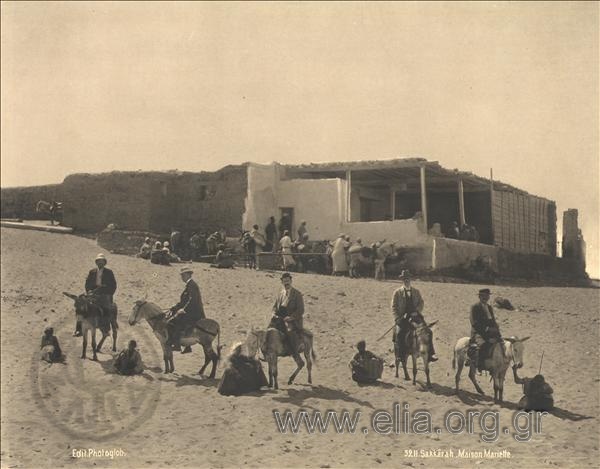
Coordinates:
<point>87,399</point>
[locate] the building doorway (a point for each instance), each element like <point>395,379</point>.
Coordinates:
<point>286,220</point>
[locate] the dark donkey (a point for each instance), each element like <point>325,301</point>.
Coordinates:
<point>91,317</point>
<point>416,344</point>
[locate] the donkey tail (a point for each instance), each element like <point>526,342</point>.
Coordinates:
<point>454,361</point>
<point>219,346</point>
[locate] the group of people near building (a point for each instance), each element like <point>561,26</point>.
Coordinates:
<point>464,233</point>
<point>176,248</point>
<point>157,252</point>
<point>276,238</point>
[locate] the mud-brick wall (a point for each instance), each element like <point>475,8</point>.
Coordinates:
<point>20,202</point>
<point>92,201</point>
<point>205,201</point>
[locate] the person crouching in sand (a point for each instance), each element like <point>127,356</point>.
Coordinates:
<point>538,393</point>
<point>129,361</point>
<point>50,349</point>
<point>366,366</point>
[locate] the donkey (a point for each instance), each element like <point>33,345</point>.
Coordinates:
<point>502,353</point>
<point>272,343</point>
<point>416,345</point>
<point>203,333</point>
<point>91,317</point>
<point>50,208</point>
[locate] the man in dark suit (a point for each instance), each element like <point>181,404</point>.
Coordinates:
<point>187,312</point>
<point>407,306</point>
<point>101,285</point>
<point>288,314</point>
<point>484,328</point>
<point>271,232</point>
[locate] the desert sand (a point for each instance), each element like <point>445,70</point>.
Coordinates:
<point>51,413</point>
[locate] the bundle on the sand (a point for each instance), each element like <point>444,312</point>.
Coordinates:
<point>367,370</point>
<point>504,303</point>
<point>243,375</point>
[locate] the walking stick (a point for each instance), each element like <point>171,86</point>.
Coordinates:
<point>541,360</point>
<point>386,333</point>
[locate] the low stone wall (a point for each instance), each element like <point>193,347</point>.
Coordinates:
<point>485,263</point>
<point>540,267</point>
<point>402,232</point>
<point>451,253</point>
<point>126,242</point>
<point>417,259</point>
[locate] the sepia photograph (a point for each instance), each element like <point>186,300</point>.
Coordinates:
<point>299,234</point>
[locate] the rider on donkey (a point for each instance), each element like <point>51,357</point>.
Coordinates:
<point>100,285</point>
<point>187,312</point>
<point>484,329</point>
<point>288,315</point>
<point>407,307</point>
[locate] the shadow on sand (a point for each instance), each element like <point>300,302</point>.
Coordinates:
<point>184,380</point>
<point>467,397</point>
<point>298,397</point>
<point>564,414</point>
<point>380,384</point>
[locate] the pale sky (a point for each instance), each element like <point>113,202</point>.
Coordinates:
<point>92,87</point>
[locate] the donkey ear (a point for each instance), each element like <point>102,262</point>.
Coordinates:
<point>525,338</point>
<point>70,295</point>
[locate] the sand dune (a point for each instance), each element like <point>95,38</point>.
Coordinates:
<point>179,420</point>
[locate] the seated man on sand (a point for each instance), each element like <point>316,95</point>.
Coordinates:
<point>145,250</point>
<point>129,361</point>
<point>366,366</point>
<point>158,256</point>
<point>243,374</point>
<point>170,254</point>
<point>50,350</point>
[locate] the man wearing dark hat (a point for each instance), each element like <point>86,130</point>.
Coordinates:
<point>484,328</point>
<point>288,314</point>
<point>407,306</point>
<point>187,312</point>
<point>101,285</point>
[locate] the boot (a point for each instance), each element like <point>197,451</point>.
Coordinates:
<point>471,355</point>
<point>173,337</point>
<point>293,341</point>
